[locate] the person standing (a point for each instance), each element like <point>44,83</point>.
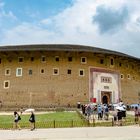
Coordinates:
<point>136,111</point>
<point>16,121</point>
<point>114,113</point>
<point>88,110</point>
<point>119,117</point>
<point>32,121</point>
<point>99,110</point>
<point>78,105</point>
<point>106,112</point>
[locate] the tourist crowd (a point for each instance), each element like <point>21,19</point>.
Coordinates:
<point>104,111</point>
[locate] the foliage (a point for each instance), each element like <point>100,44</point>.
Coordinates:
<point>59,109</point>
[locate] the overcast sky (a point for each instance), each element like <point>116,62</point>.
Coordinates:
<point>109,24</point>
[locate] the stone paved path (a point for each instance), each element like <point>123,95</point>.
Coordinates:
<point>94,133</point>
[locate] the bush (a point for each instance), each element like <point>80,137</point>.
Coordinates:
<point>60,109</point>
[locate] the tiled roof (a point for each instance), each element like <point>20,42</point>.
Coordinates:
<point>62,47</point>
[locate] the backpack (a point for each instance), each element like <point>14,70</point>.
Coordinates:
<point>19,118</point>
<point>106,109</point>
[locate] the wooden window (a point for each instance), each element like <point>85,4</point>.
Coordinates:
<point>7,72</point>
<point>43,59</point>
<point>69,71</point>
<point>101,61</point>
<point>81,72</point>
<point>19,72</point>
<point>55,71</point>
<point>57,58</point>
<point>32,59</point>
<point>122,76</point>
<point>70,59</point>
<point>128,76</point>
<point>83,60</point>
<point>30,71</point>
<point>20,59</point>
<point>112,61</point>
<point>6,84</point>
<point>42,71</point>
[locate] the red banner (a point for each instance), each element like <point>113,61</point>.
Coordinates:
<point>93,100</point>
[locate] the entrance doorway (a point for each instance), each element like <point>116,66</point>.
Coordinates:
<point>106,97</point>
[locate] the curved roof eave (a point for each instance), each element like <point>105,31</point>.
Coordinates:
<point>61,47</point>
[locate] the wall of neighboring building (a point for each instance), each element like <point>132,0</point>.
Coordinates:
<point>45,87</point>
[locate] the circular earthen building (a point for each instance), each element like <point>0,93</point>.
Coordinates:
<point>62,75</point>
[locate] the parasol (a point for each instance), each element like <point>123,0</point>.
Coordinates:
<point>30,110</point>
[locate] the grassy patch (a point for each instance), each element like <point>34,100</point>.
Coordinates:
<point>57,120</point>
<point>47,120</point>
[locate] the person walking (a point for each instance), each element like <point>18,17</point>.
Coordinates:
<point>17,118</point>
<point>32,121</point>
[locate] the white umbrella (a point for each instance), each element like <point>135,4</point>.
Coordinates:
<point>30,110</point>
<point>93,103</point>
<point>120,108</point>
<point>124,106</point>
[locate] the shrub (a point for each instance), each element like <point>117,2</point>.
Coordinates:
<point>60,109</point>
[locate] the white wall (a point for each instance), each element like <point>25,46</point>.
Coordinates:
<point>99,86</point>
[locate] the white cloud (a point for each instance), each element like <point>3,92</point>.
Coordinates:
<point>4,14</point>
<point>26,34</point>
<point>74,25</point>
